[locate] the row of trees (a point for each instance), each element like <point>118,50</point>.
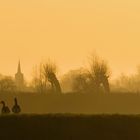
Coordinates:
<point>94,79</point>
<point>7,84</point>
<point>127,83</point>
<point>84,80</point>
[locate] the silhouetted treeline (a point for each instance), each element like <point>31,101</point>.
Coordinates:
<point>127,83</point>
<point>90,80</point>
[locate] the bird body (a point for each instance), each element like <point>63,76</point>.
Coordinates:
<point>16,109</point>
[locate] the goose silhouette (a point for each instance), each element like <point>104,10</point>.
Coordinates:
<point>16,108</point>
<point>5,109</point>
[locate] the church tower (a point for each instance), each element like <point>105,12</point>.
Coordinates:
<point>19,78</point>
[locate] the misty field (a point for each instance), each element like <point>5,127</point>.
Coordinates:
<point>113,103</point>
<point>70,127</point>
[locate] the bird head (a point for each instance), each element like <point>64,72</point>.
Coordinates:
<point>2,102</point>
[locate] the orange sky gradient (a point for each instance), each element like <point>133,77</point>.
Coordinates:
<point>68,31</point>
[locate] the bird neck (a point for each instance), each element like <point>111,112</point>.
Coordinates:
<point>16,103</point>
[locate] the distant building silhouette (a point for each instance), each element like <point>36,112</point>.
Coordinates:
<point>19,78</point>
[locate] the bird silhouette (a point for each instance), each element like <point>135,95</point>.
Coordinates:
<point>16,108</point>
<point>5,109</point>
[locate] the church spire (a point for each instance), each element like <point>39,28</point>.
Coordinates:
<point>19,67</point>
<point>19,78</point>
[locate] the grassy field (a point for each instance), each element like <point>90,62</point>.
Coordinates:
<point>113,103</point>
<point>70,127</point>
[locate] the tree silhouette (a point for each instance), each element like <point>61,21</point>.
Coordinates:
<point>7,84</point>
<point>38,81</point>
<point>99,72</point>
<point>49,70</point>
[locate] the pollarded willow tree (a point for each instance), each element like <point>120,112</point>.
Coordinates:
<point>94,79</point>
<point>100,73</point>
<point>49,71</point>
<point>44,74</point>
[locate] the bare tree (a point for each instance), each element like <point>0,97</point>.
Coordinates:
<point>99,72</point>
<point>49,71</point>
<point>38,81</point>
<point>7,84</point>
<point>127,82</point>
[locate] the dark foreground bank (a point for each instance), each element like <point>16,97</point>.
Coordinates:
<point>70,127</point>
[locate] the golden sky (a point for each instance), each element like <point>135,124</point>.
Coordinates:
<point>68,31</point>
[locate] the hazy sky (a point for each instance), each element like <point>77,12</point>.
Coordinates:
<point>68,31</point>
